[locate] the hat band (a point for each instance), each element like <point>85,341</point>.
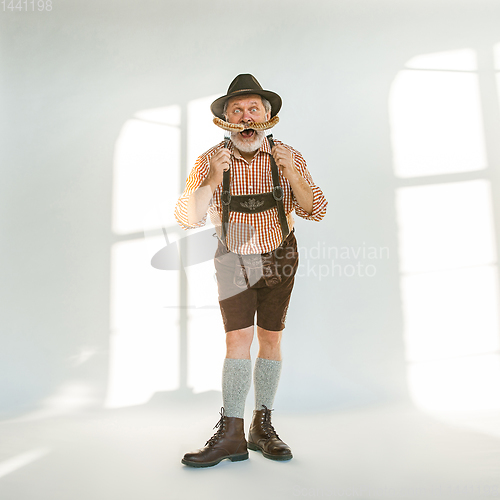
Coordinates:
<point>247,90</point>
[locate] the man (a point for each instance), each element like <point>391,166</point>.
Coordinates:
<point>250,201</point>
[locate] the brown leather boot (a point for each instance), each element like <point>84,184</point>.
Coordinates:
<point>228,442</point>
<point>262,437</point>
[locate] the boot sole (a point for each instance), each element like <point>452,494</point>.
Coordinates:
<point>280,458</point>
<point>233,458</point>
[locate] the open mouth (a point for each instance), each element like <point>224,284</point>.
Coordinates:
<point>247,133</point>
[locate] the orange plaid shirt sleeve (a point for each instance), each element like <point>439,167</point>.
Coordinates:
<point>251,233</point>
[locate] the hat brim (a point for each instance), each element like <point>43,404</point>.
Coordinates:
<point>217,106</point>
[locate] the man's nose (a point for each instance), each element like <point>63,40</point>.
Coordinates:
<point>247,117</point>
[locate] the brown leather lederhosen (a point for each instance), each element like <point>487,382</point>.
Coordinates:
<point>251,204</point>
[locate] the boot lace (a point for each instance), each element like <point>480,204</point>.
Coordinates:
<point>221,427</point>
<point>267,426</point>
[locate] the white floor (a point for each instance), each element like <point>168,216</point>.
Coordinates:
<point>134,454</point>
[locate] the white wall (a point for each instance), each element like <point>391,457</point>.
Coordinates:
<point>69,80</point>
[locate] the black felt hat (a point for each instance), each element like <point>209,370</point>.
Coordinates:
<point>246,84</point>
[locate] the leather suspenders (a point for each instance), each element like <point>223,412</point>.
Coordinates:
<point>225,199</point>
<point>278,193</point>
<point>254,203</point>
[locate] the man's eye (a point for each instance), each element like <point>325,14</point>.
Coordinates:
<point>236,111</point>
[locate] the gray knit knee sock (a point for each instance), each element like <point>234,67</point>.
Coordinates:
<point>236,380</point>
<point>266,376</point>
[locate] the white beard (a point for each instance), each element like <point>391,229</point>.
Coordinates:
<point>246,146</point>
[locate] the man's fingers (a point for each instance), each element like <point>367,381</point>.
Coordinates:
<point>221,159</point>
<point>222,153</point>
<point>281,156</point>
<point>278,159</point>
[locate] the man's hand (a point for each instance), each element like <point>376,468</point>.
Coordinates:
<point>283,158</point>
<point>198,202</point>
<point>219,163</point>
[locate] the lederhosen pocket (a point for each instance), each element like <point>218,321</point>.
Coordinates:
<point>271,267</point>
<point>248,271</point>
<point>256,267</point>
